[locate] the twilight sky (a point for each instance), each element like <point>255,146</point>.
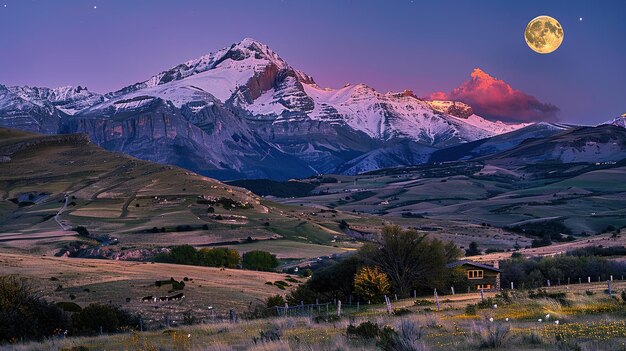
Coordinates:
<point>391,45</point>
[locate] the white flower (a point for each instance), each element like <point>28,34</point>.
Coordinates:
<point>556,322</point>
<point>506,319</point>
<point>188,335</point>
<point>547,316</point>
<point>539,320</point>
<point>491,319</point>
<point>495,306</point>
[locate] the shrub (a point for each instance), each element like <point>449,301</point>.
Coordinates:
<point>68,306</point>
<point>184,254</point>
<point>273,301</point>
<point>24,315</point>
<point>259,260</point>
<point>623,295</point>
<point>401,311</point>
<point>493,335</point>
<point>423,302</point>
<point>365,330</point>
<point>371,283</point>
<point>82,231</point>
<point>470,310</point>
<point>219,257</point>
<point>109,318</point>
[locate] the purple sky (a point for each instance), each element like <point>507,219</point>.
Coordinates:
<point>390,45</point>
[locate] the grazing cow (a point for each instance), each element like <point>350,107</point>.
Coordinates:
<point>176,297</point>
<point>147,298</point>
<point>163,298</point>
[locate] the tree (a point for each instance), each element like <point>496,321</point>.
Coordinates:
<point>411,260</point>
<point>473,249</point>
<point>259,260</point>
<point>336,280</point>
<point>371,283</point>
<point>24,314</point>
<point>184,254</point>
<point>219,257</point>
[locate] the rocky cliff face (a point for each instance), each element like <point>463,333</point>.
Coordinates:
<point>243,111</point>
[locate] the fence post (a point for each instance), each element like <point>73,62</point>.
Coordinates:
<point>579,280</point>
<point>611,277</point>
<point>140,324</point>
<point>437,299</point>
<point>339,308</point>
<point>452,288</point>
<point>609,282</point>
<point>357,305</point>
<point>396,295</point>
<point>415,292</point>
<point>589,280</point>
<point>567,280</point>
<point>482,295</point>
<point>548,283</point>
<point>512,286</point>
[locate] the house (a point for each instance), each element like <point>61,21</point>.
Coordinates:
<point>480,276</point>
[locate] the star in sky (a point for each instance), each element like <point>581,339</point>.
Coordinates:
<point>95,7</point>
<point>580,19</point>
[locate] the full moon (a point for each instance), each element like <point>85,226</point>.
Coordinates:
<point>544,34</point>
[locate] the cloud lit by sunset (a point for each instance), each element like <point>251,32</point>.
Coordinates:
<point>495,99</point>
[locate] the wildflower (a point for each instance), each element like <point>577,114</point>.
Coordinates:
<point>188,335</point>
<point>539,320</point>
<point>556,322</point>
<point>506,319</point>
<point>491,319</point>
<point>495,306</point>
<point>547,316</point>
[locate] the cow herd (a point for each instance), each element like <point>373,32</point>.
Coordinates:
<point>151,298</point>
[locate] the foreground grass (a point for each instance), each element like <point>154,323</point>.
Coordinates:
<point>581,321</point>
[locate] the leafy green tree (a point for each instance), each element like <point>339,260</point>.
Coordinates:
<point>184,254</point>
<point>219,257</point>
<point>411,260</point>
<point>259,260</point>
<point>335,280</point>
<point>371,283</point>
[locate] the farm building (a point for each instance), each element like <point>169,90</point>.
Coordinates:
<point>479,276</point>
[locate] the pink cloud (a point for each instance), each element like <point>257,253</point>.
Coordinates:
<point>494,99</point>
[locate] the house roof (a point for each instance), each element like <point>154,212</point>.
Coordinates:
<point>472,263</point>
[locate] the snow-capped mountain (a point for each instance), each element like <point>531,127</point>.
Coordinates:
<point>243,111</point>
<point>617,121</point>
<point>41,109</point>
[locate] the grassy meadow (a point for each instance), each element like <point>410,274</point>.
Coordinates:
<point>575,317</point>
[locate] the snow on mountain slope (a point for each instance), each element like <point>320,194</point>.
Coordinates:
<point>617,121</point>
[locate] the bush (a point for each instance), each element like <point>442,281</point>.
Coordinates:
<point>401,311</point>
<point>184,254</point>
<point>259,260</point>
<point>26,316</point>
<point>69,306</point>
<point>365,330</point>
<point>110,318</point>
<point>493,335</point>
<point>273,301</point>
<point>82,231</point>
<point>219,257</point>
<point>371,283</point>
<point>470,310</point>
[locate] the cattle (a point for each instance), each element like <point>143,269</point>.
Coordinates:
<point>147,298</point>
<point>176,297</point>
